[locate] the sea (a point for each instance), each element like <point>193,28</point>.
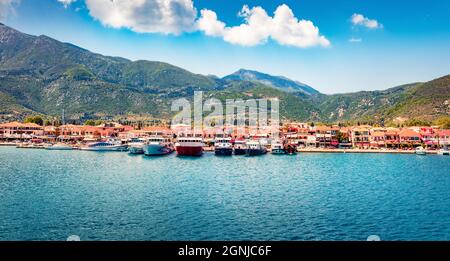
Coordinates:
<point>51,195</point>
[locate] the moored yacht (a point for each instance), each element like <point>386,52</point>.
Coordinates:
<point>420,151</point>
<point>223,147</point>
<point>110,145</point>
<point>255,148</point>
<point>444,151</point>
<point>189,146</point>
<point>290,148</point>
<point>277,147</point>
<point>157,146</point>
<point>240,147</point>
<point>136,146</point>
<point>59,146</point>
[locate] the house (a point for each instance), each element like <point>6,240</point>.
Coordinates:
<point>409,138</point>
<point>377,139</point>
<point>20,131</point>
<point>327,136</point>
<point>444,138</point>
<point>360,137</point>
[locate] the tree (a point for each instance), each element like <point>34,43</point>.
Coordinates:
<point>417,122</point>
<point>34,119</point>
<point>442,122</point>
<point>89,123</point>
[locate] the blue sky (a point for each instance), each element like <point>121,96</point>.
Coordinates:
<point>393,42</point>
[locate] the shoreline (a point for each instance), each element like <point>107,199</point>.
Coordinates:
<point>303,150</point>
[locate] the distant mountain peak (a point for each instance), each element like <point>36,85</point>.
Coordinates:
<point>279,82</point>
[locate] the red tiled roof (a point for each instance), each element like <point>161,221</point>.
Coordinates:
<point>408,133</point>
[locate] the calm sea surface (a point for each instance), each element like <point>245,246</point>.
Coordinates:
<point>49,195</point>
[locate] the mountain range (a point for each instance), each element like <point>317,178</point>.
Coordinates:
<point>40,75</point>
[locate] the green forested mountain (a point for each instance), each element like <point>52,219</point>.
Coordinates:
<point>40,75</point>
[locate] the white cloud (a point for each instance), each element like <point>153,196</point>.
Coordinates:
<point>7,7</point>
<point>361,20</point>
<point>66,3</point>
<point>355,40</point>
<point>258,27</point>
<point>145,16</point>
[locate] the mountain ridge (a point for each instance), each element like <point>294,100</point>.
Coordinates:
<point>40,75</point>
<point>279,82</point>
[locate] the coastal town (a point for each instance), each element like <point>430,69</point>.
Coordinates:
<point>293,137</point>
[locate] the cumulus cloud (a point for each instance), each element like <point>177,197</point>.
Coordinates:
<point>7,7</point>
<point>66,3</point>
<point>258,27</point>
<point>145,16</point>
<point>361,20</point>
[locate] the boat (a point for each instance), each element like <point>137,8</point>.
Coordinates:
<point>158,146</point>
<point>420,151</point>
<point>240,147</point>
<point>290,148</point>
<point>136,146</point>
<point>223,147</point>
<point>189,146</point>
<point>59,146</point>
<point>444,151</point>
<point>277,147</point>
<point>110,145</point>
<point>255,148</point>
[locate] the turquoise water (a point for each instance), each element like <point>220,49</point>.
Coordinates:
<point>49,195</point>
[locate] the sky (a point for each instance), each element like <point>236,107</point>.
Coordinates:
<point>335,46</point>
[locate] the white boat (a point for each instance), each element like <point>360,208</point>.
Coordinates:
<point>105,146</point>
<point>156,146</point>
<point>223,147</point>
<point>277,147</point>
<point>240,147</point>
<point>59,146</point>
<point>444,151</point>
<point>420,151</point>
<point>136,146</point>
<point>255,148</point>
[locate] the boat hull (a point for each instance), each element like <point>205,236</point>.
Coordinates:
<point>136,150</point>
<point>156,150</point>
<point>106,148</point>
<point>255,152</point>
<point>59,148</point>
<point>278,151</point>
<point>189,151</point>
<point>239,151</point>
<point>223,151</point>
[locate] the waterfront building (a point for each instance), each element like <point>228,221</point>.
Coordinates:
<point>360,137</point>
<point>444,138</point>
<point>409,138</point>
<point>20,131</point>
<point>377,139</point>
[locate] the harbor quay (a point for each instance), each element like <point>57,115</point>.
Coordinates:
<point>304,137</point>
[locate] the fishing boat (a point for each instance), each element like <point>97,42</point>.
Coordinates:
<point>290,148</point>
<point>255,148</point>
<point>444,151</point>
<point>110,145</point>
<point>240,147</point>
<point>158,146</point>
<point>189,146</point>
<point>420,151</point>
<point>223,147</point>
<point>59,146</point>
<point>277,147</point>
<point>136,146</point>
